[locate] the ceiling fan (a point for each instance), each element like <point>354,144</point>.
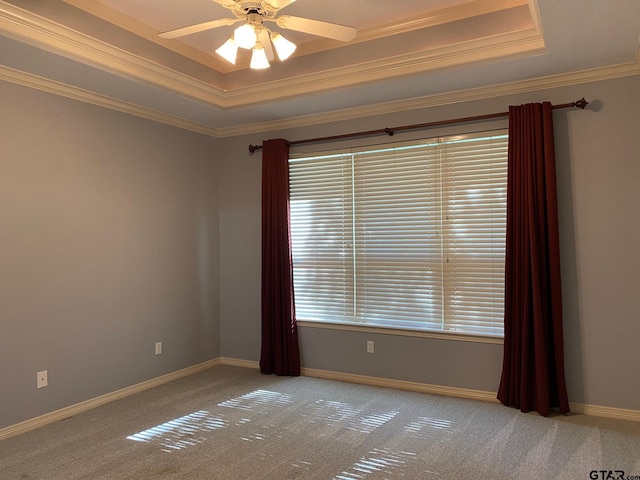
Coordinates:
<point>253,35</point>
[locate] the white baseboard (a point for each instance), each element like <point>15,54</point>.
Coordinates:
<point>71,410</point>
<point>66,412</point>
<point>237,362</point>
<point>376,381</point>
<point>593,410</point>
<point>609,412</point>
<point>402,385</point>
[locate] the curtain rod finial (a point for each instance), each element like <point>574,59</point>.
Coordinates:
<point>581,103</point>
<point>253,148</point>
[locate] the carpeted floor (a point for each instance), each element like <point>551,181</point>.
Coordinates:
<point>233,423</point>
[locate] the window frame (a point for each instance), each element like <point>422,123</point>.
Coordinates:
<point>397,328</point>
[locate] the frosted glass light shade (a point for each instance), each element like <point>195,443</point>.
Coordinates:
<point>284,47</point>
<point>229,51</point>
<point>259,58</point>
<point>245,36</point>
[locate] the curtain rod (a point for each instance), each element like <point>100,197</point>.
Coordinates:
<point>390,131</point>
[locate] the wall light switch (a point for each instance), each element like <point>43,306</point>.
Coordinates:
<point>158,348</point>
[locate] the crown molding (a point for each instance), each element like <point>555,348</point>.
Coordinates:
<point>509,45</point>
<point>469,9</point>
<point>50,36</point>
<point>100,10</point>
<point>541,83</point>
<point>23,25</point>
<point>57,88</point>
<point>455,13</point>
<point>35,30</point>
<point>524,86</point>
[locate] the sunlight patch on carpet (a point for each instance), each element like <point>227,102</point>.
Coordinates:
<point>422,426</point>
<point>337,413</point>
<point>181,432</point>
<point>380,462</point>
<point>369,423</point>
<point>259,401</point>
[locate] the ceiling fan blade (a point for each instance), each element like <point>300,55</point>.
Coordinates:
<point>199,27</point>
<point>226,3</point>
<point>277,4</point>
<point>316,27</point>
<point>265,40</point>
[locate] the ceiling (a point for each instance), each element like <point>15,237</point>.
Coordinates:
<point>407,54</point>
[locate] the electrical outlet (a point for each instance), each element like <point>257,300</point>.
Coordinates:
<point>370,346</point>
<point>42,379</point>
<point>158,348</point>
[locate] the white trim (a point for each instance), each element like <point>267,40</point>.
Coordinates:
<point>609,412</point>
<point>104,12</point>
<point>71,410</point>
<point>43,33</point>
<point>429,101</point>
<point>238,362</point>
<point>542,83</point>
<point>447,15</point>
<point>66,412</point>
<point>26,26</point>
<point>401,385</point>
<point>403,332</point>
<point>481,395</point>
<point>454,13</point>
<point>375,381</point>
<point>505,46</point>
<point>75,93</point>
<point>576,408</point>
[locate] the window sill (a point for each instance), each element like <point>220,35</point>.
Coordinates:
<point>405,332</point>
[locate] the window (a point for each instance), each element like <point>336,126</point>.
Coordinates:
<point>407,236</point>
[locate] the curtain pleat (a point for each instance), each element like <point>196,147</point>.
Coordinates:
<point>280,351</point>
<point>533,376</point>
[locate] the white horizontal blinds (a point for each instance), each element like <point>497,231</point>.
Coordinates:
<point>322,236</point>
<point>474,208</point>
<point>411,235</point>
<point>398,246</point>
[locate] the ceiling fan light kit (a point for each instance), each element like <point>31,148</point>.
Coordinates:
<point>252,35</point>
<point>228,50</point>
<point>245,36</point>
<point>284,47</point>
<point>259,58</point>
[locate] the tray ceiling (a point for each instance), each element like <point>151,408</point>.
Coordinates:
<point>406,54</point>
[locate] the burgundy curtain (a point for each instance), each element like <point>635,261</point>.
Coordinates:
<point>533,363</point>
<point>280,352</point>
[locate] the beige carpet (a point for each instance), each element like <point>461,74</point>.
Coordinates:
<point>233,423</point>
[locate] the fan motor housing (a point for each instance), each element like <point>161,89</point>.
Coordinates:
<point>252,7</point>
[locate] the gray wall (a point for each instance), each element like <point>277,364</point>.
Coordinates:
<point>108,243</point>
<point>598,162</point>
<point>117,232</point>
